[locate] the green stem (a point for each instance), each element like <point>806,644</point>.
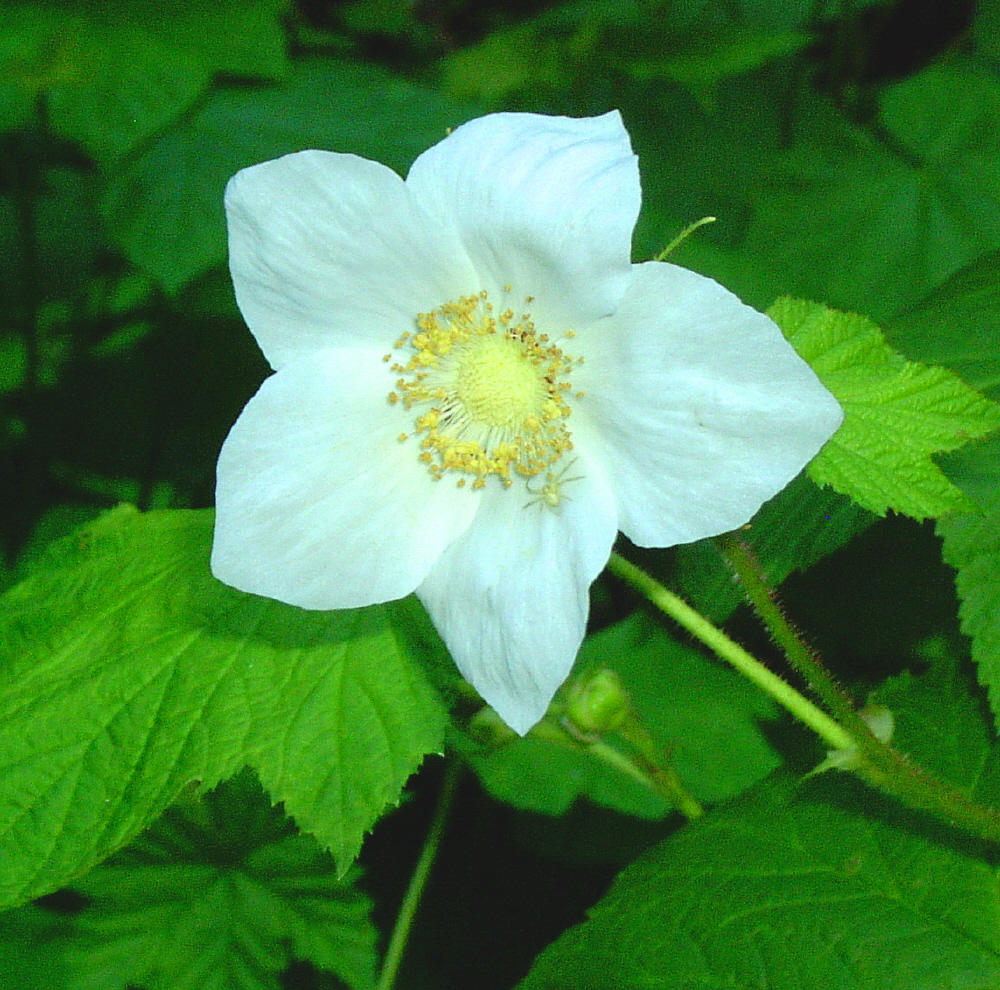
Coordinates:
<point>415,890</point>
<point>716,640</point>
<point>873,760</point>
<point>658,766</point>
<point>801,658</point>
<point>683,236</point>
<point>652,773</point>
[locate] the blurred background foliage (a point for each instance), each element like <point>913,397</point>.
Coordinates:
<point>850,150</point>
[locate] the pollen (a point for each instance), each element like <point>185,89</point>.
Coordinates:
<point>488,394</point>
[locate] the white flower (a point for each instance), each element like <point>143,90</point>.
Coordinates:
<point>475,389</point>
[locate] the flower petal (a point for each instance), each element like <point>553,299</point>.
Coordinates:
<point>545,204</point>
<point>700,408</point>
<point>318,503</point>
<point>328,249</point>
<point>510,597</point>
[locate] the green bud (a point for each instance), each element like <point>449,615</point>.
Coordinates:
<point>598,702</point>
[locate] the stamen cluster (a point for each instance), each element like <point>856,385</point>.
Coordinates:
<point>490,392</point>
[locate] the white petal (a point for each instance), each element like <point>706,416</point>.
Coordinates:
<point>546,204</point>
<point>700,407</point>
<point>510,597</point>
<point>331,250</point>
<point>318,503</point>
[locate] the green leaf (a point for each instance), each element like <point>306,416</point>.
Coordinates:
<point>199,903</point>
<point>817,884</point>
<point>127,673</point>
<point>130,83</point>
<point>711,727</point>
<point>950,116</point>
<point>13,362</point>
<point>791,532</point>
<point>117,72</point>
<point>975,468</point>
<point>35,52</point>
<point>705,58</point>
<point>941,724</point>
<point>793,888</point>
<point>986,27</point>
<point>897,413</point>
<point>958,326</point>
<point>165,210</point>
<point>32,955</point>
<point>509,61</point>
<point>972,546</point>
<point>873,220</point>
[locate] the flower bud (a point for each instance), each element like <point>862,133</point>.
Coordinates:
<point>598,702</point>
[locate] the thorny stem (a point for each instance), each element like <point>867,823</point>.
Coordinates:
<point>415,890</point>
<point>874,761</point>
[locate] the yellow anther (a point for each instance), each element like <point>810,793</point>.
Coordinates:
<point>488,392</point>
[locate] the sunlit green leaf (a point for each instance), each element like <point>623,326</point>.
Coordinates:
<point>129,673</point>
<point>897,413</point>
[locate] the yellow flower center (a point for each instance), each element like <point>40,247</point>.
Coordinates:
<point>489,393</point>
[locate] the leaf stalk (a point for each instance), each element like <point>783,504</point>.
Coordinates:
<point>414,892</point>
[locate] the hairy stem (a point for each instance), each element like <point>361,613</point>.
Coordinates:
<point>717,641</point>
<point>874,761</point>
<point>801,658</point>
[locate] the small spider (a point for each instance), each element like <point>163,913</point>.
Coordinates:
<point>550,494</point>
